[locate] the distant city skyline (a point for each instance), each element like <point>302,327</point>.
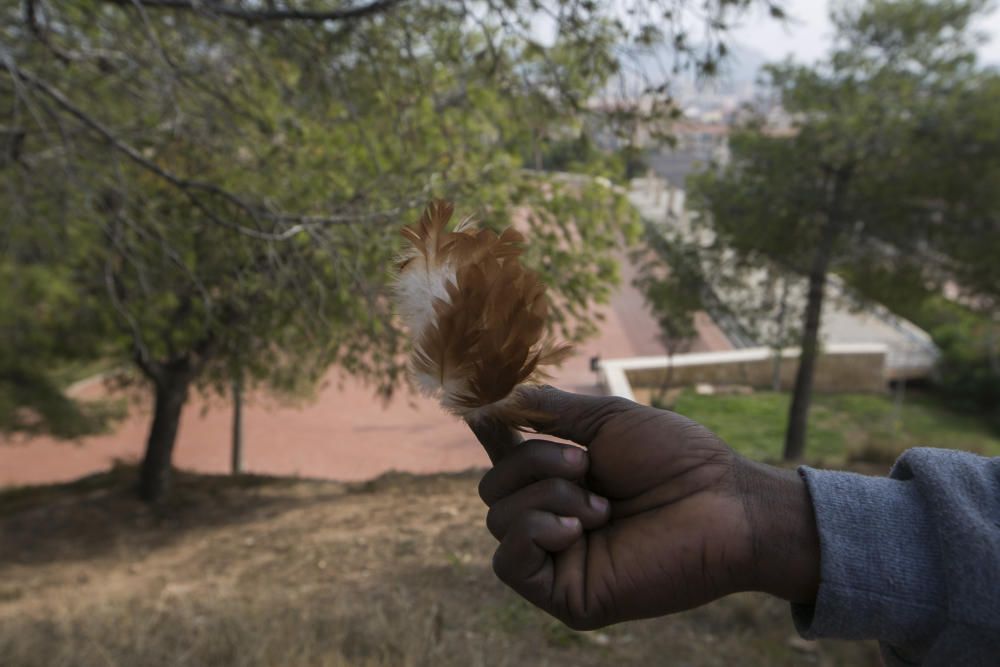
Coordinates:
<point>807,34</point>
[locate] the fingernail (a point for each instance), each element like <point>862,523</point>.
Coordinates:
<point>569,521</point>
<point>598,503</point>
<point>572,455</point>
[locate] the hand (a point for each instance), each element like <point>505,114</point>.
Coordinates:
<point>656,515</point>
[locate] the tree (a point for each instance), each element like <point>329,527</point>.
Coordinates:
<point>231,174</point>
<point>39,323</point>
<point>848,181</point>
<point>943,275</point>
<point>672,283</point>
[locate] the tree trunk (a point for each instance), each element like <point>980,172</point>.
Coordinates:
<point>779,338</point>
<point>993,350</point>
<point>798,412</point>
<point>897,407</point>
<point>661,393</point>
<point>237,462</point>
<point>171,392</point>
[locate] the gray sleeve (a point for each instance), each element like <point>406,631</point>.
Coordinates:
<point>912,560</point>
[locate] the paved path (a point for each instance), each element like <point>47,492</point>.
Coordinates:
<point>345,433</point>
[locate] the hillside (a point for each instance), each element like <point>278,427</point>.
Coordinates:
<point>269,571</point>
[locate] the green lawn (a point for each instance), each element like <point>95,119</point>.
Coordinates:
<point>842,427</point>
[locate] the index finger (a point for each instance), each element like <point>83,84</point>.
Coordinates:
<point>575,417</point>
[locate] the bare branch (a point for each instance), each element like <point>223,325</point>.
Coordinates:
<point>297,222</point>
<point>261,15</point>
<point>140,352</point>
<point>131,152</point>
<point>31,18</point>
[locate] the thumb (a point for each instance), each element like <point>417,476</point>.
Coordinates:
<point>496,437</point>
<point>576,417</point>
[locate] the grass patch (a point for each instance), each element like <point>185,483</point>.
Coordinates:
<point>842,427</point>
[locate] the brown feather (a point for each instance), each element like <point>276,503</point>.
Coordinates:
<point>487,335</point>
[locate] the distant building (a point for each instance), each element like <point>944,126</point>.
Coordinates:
<point>697,146</point>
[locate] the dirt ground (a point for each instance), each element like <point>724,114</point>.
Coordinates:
<point>269,571</point>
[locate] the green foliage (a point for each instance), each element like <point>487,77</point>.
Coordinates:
<point>967,375</point>
<point>239,208</point>
<point>963,163</point>
<point>579,154</point>
<point>890,165</point>
<point>214,196</point>
<point>892,94</point>
<point>843,426</point>
<point>43,325</point>
<point>762,205</point>
<point>33,404</point>
<point>671,281</point>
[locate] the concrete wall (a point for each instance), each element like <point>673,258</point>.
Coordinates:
<point>841,368</point>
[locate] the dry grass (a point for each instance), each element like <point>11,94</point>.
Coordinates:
<point>292,573</point>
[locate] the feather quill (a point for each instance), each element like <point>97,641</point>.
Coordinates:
<point>476,314</point>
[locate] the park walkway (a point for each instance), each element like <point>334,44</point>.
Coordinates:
<point>346,433</point>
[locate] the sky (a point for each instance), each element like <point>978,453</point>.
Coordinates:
<point>807,34</point>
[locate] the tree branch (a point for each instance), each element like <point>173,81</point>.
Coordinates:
<point>296,222</point>
<point>31,18</point>
<point>262,15</point>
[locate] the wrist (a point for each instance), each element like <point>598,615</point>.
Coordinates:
<point>784,550</point>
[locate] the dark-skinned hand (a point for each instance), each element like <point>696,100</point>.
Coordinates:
<point>651,515</point>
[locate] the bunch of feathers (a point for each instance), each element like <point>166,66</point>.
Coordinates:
<point>476,315</point>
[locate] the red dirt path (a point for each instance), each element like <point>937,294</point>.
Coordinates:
<point>345,434</point>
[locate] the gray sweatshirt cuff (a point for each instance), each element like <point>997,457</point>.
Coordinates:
<point>881,568</point>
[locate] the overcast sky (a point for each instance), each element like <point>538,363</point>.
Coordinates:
<point>807,34</point>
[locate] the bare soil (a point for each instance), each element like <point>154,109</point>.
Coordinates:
<point>272,571</point>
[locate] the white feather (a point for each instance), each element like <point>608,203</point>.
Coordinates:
<point>422,282</point>
<point>417,289</point>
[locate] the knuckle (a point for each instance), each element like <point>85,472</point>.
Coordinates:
<point>484,487</point>
<point>493,523</point>
<point>536,453</point>
<point>499,566</point>
<point>558,491</point>
<point>539,457</point>
<point>506,561</point>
